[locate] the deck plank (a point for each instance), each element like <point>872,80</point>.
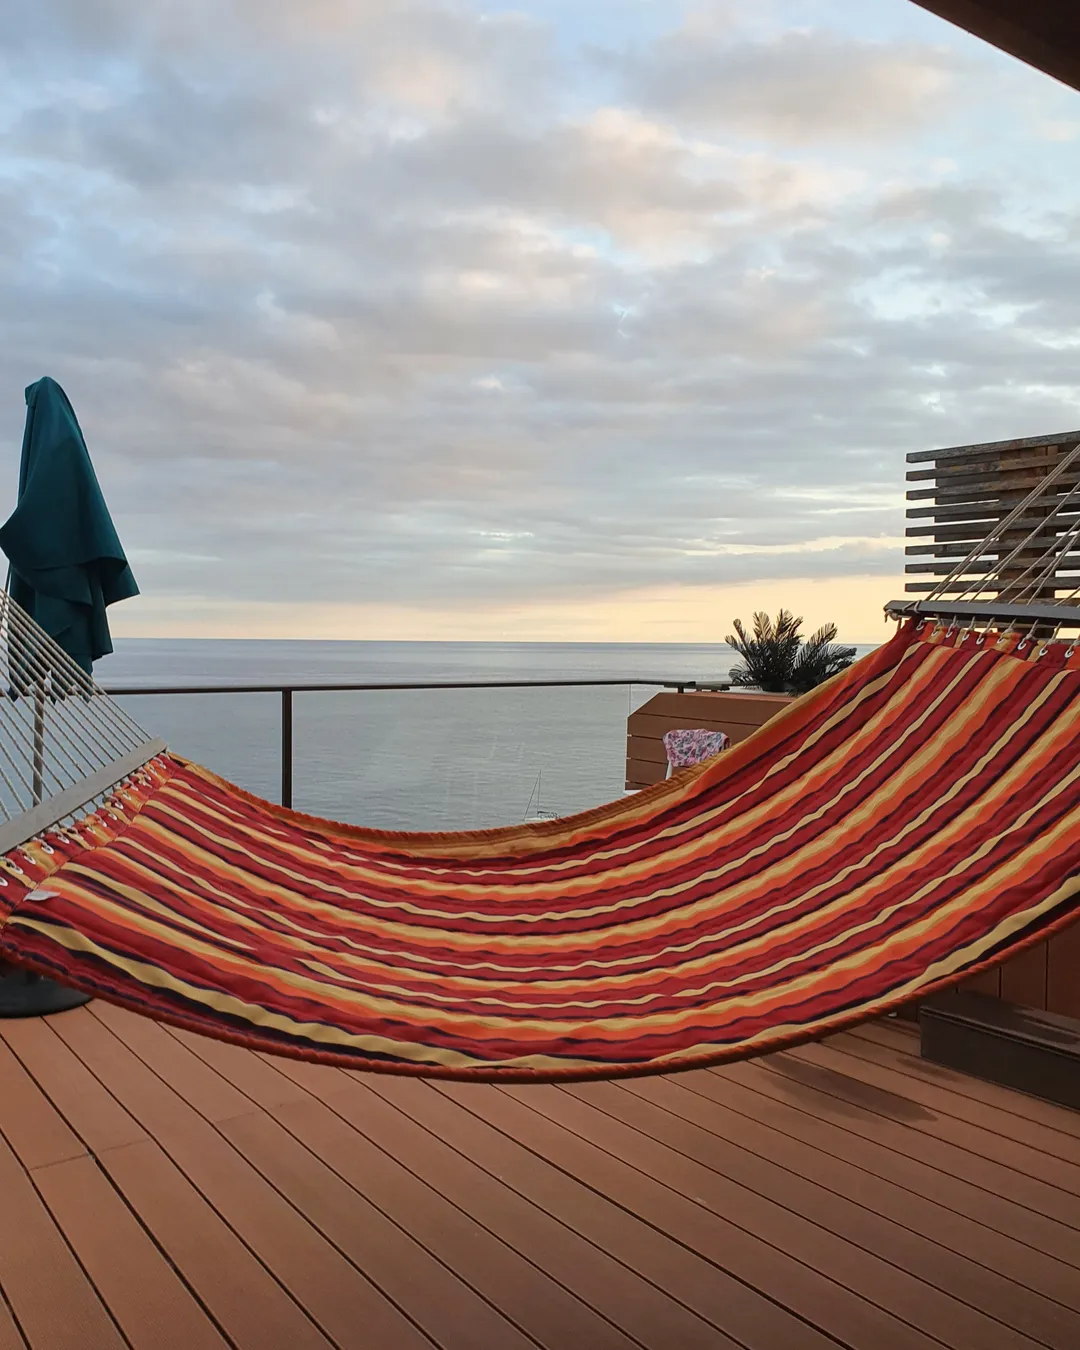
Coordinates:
<point>10,1335</point>
<point>377,1248</point>
<point>859,1082</point>
<point>48,1291</point>
<point>101,1122</point>
<point>34,1128</point>
<point>1050,1154</point>
<point>449,1310</point>
<point>757,1262</point>
<point>847,1176</point>
<point>524,1294</point>
<point>583,1294</point>
<point>151,1305</point>
<point>631,1249</point>
<point>838,1101</point>
<point>211,1095</point>
<point>855,1261</point>
<point>252,1308</point>
<point>884,1150</point>
<point>903,1239</point>
<point>898,1053</point>
<point>255,1078</point>
<point>176,1192</point>
<point>333,1292</point>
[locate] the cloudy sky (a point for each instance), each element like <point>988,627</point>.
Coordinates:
<point>558,319</point>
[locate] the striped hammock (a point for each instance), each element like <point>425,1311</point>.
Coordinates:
<point>900,828</point>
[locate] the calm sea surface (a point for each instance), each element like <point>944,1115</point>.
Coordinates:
<point>441,759</point>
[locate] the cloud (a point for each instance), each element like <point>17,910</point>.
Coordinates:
<point>404,304</point>
<point>802,87</point>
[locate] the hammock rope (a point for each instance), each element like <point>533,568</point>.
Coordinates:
<point>909,823</point>
<point>64,744</point>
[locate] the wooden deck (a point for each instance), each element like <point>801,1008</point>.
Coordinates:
<point>163,1192</point>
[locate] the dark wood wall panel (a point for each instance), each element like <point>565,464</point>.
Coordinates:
<point>738,715</point>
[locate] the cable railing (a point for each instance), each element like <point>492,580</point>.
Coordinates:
<point>287,690</point>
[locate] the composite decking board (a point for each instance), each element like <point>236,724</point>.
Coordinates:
<point>48,1291</point>
<point>241,1295</point>
<point>952,1118</point>
<point>88,1107</point>
<point>211,1095</point>
<point>544,1250</point>
<point>472,1240</point>
<point>216,1180</point>
<point>806,1088</point>
<point>334,1293</point>
<point>1045,1136</point>
<point>841,1244</point>
<point>247,1072</point>
<point>447,1309</point>
<point>430,1292</point>
<point>624,1248</point>
<point>247,1302</point>
<point>899,1053</point>
<point>905,1231</point>
<point>150,1303</point>
<point>755,1261</point>
<point>587,1273</point>
<point>737,1308</point>
<point>10,1335</point>
<point>921,1213</point>
<point>885,1149</point>
<point>34,1128</point>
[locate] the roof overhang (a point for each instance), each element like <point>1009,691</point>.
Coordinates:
<point>1044,33</point>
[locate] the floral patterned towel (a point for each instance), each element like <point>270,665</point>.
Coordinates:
<point>691,747</point>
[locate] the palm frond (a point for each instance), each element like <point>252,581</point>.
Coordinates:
<point>778,660</point>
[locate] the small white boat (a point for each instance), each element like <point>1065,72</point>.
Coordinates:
<point>537,812</point>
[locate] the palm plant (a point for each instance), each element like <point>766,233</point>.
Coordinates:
<point>779,660</point>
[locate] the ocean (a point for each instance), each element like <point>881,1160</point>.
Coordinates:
<point>408,759</point>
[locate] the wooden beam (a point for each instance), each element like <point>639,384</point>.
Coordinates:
<point>1043,33</point>
<point>990,448</point>
<point>1067,616</point>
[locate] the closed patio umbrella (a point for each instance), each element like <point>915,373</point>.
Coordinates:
<point>66,567</point>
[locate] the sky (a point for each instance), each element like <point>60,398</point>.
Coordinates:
<point>600,320</point>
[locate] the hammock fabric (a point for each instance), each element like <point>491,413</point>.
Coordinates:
<point>905,825</point>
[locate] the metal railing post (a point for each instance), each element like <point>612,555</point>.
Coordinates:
<point>286,747</point>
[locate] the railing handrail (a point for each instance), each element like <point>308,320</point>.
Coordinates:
<point>305,687</point>
<point>288,688</point>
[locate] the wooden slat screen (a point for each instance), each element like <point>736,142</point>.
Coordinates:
<point>958,495</point>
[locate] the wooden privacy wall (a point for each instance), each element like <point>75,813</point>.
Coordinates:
<point>1047,976</point>
<point>736,714</point>
<point>957,496</point>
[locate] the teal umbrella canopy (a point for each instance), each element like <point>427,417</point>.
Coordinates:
<point>67,564</point>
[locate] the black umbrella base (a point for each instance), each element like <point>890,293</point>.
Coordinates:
<point>25,994</point>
